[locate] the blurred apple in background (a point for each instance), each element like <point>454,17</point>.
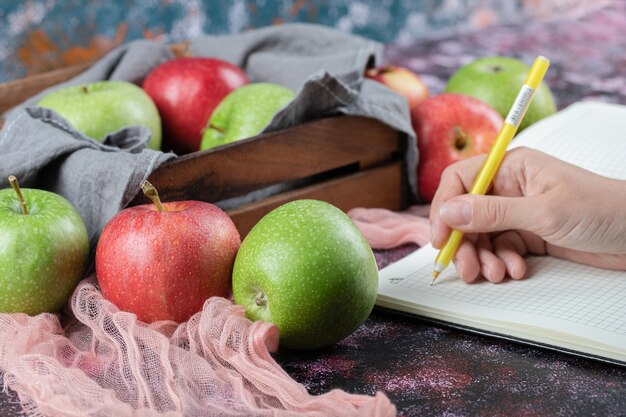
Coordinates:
<point>162,261</point>
<point>244,113</point>
<point>450,127</point>
<point>401,80</point>
<point>497,81</point>
<point>43,250</point>
<point>186,91</point>
<point>104,107</point>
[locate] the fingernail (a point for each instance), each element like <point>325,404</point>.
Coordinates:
<point>456,213</point>
<point>486,272</point>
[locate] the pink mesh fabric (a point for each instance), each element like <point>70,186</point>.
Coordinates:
<point>106,363</point>
<point>385,229</point>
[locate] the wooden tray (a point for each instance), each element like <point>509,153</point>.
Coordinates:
<point>347,161</point>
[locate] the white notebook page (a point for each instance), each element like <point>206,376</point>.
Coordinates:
<point>591,135</point>
<point>561,301</point>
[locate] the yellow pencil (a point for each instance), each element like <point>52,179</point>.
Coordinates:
<point>496,154</point>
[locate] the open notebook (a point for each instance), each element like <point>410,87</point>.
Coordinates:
<point>561,305</point>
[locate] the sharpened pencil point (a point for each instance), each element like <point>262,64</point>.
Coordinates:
<point>435,275</point>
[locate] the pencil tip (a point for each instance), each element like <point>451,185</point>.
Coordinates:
<point>435,275</point>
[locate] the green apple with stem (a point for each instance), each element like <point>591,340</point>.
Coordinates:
<point>104,107</point>
<point>244,113</point>
<point>308,269</point>
<point>497,81</point>
<point>43,250</point>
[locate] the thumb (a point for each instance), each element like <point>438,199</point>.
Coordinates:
<point>481,214</point>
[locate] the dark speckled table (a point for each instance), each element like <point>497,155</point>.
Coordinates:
<point>428,369</point>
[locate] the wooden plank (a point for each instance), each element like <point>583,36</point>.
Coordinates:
<point>382,187</point>
<point>292,154</point>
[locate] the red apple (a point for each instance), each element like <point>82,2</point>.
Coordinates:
<point>401,80</point>
<point>450,127</point>
<point>185,91</point>
<point>162,261</point>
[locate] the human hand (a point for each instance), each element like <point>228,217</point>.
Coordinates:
<point>537,205</point>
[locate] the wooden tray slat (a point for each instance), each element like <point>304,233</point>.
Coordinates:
<point>288,155</point>
<point>377,187</point>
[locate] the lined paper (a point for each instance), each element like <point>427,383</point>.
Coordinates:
<point>591,135</point>
<point>559,297</point>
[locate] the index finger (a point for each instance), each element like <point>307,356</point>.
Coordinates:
<point>456,180</point>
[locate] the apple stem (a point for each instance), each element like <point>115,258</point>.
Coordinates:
<point>85,89</point>
<point>260,299</point>
<point>219,129</point>
<point>20,196</point>
<point>151,192</point>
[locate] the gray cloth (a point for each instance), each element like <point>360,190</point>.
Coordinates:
<point>43,151</point>
<point>324,66</point>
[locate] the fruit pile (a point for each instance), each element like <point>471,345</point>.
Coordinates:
<point>465,119</point>
<point>305,266</point>
<point>199,103</point>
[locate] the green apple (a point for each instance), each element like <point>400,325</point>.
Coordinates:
<point>308,269</point>
<point>43,250</point>
<point>497,81</point>
<point>104,107</point>
<point>244,113</point>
